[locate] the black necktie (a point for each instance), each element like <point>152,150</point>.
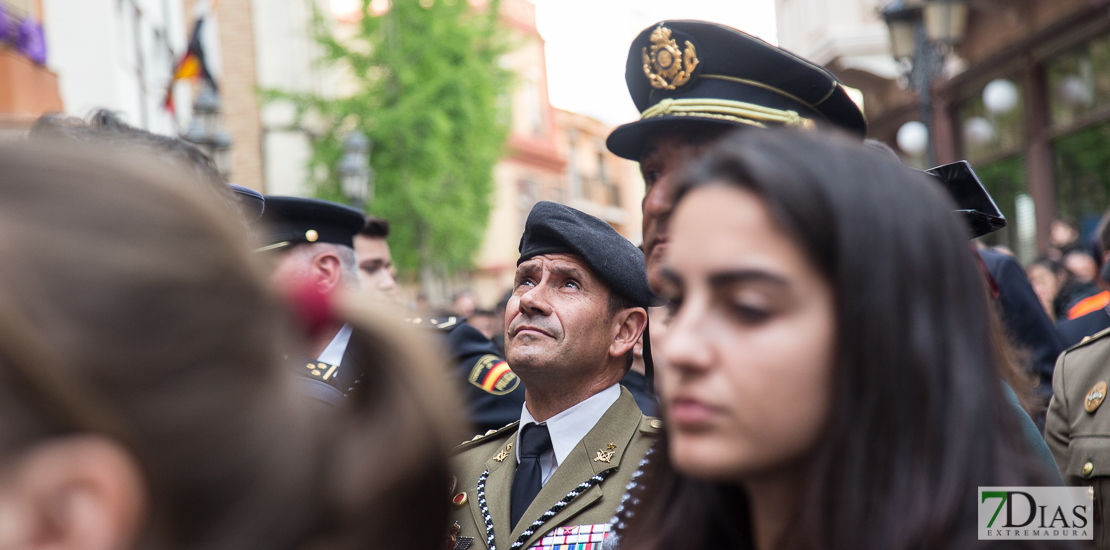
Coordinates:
<point>534,441</point>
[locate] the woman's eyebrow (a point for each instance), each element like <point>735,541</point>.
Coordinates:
<point>723,278</point>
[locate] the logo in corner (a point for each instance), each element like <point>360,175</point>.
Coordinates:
<point>1044,513</point>
<point>667,67</point>
<point>493,375</point>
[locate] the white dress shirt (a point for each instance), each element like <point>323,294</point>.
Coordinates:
<point>568,427</point>
<point>333,354</point>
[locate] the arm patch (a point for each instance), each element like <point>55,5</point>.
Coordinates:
<point>493,375</point>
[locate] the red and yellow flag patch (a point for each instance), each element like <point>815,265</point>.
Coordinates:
<point>493,375</point>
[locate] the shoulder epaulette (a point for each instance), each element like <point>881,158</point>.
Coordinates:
<point>651,425</point>
<point>437,323</point>
<point>482,438</point>
<point>1090,339</point>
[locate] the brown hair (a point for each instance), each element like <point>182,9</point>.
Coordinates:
<point>130,307</point>
<point>377,228</point>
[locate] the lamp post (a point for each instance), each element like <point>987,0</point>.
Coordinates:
<point>205,131</point>
<point>355,175</point>
<point>921,34</point>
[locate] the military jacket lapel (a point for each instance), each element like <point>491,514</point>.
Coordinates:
<point>499,486</point>
<point>600,450</point>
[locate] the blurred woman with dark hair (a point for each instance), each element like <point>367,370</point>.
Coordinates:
<point>833,365</point>
<point>143,403</point>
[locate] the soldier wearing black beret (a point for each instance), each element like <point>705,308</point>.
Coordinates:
<point>311,242</point>
<point>577,309</point>
<point>693,82</point>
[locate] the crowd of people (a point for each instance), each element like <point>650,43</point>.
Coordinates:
<point>805,352</point>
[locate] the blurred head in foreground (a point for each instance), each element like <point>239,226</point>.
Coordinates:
<point>142,402</point>
<point>832,358</point>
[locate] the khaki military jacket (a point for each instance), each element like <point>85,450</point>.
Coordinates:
<point>612,451</point>
<point>1077,427</point>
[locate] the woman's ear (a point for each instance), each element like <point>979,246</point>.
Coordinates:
<point>80,492</point>
<point>630,325</point>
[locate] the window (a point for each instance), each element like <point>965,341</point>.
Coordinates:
<point>1082,164</point>
<point>1005,179</point>
<point>1079,82</point>
<point>1079,103</point>
<point>993,121</point>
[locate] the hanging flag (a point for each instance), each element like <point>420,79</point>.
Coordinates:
<point>192,65</point>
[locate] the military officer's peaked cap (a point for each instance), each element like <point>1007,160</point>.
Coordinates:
<point>557,229</point>
<point>696,70</point>
<point>292,220</point>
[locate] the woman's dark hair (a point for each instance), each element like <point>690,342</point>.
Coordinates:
<point>131,309</point>
<point>918,418</point>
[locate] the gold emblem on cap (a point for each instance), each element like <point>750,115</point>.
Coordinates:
<point>667,67</point>
<point>1095,397</point>
<point>311,235</point>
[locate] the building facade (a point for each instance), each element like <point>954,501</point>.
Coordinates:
<point>1025,96</point>
<point>27,87</point>
<point>553,155</point>
<point>114,54</point>
<point>118,55</point>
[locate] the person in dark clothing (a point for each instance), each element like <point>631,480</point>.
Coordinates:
<point>494,394</point>
<point>1026,322</point>
<point>1074,330</point>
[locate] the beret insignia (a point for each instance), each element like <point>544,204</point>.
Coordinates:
<point>493,375</point>
<point>667,67</point>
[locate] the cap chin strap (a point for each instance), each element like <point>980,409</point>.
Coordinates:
<point>274,246</point>
<point>727,109</point>
<point>649,364</point>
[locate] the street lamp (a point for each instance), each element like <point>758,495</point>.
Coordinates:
<point>901,19</point>
<point>945,21</point>
<point>205,132</point>
<point>921,33</point>
<point>355,175</point>
<point>220,144</point>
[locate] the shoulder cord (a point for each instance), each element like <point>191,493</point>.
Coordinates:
<point>623,512</point>
<point>573,494</point>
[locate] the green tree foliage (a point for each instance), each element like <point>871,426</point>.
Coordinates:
<point>1004,180</point>
<point>427,89</point>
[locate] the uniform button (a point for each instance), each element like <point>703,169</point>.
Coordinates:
<point>657,424</point>
<point>1088,468</point>
<point>459,501</point>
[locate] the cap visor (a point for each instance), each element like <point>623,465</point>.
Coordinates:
<point>628,140</point>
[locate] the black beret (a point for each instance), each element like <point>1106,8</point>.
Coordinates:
<point>291,220</point>
<point>682,70</point>
<point>250,201</point>
<point>558,229</point>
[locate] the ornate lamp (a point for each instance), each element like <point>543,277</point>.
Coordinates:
<point>902,17</point>
<point>355,175</point>
<point>205,132</point>
<point>945,21</point>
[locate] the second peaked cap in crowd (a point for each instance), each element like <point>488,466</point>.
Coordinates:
<point>697,70</point>
<point>558,229</point>
<point>287,221</point>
